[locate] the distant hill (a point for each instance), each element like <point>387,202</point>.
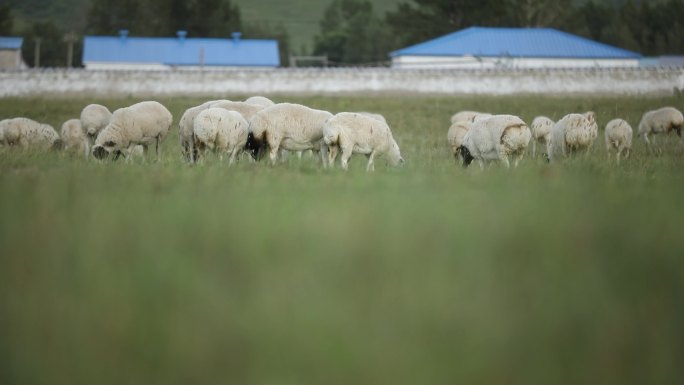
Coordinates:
<point>300,17</point>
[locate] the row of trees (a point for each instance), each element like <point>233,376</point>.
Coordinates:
<point>351,33</point>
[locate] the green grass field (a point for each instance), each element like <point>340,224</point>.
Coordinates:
<point>162,273</point>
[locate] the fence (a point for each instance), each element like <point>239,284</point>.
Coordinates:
<point>332,81</point>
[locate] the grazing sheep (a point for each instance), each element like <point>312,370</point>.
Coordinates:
<point>260,101</point>
<point>222,131</point>
<point>185,128</point>
<point>143,124</point>
<point>247,110</point>
<point>455,135</point>
<point>469,116</point>
<point>74,137</point>
<point>94,118</point>
<point>361,134</point>
<point>618,136</point>
<point>495,138</point>
<point>291,127</point>
<point>572,133</point>
<point>541,132</point>
<point>29,134</point>
<point>663,120</point>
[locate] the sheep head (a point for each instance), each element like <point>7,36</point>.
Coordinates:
<point>465,155</point>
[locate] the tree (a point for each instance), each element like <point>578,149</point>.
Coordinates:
<point>6,20</point>
<point>538,13</point>
<point>351,33</point>
<point>52,47</point>
<point>200,18</point>
<point>267,31</point>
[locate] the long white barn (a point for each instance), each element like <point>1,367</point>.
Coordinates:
<point>478,47</point>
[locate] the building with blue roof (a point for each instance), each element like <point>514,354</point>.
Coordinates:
<point>479,47</point>
<point>10,53</point>
<point>180,52</point>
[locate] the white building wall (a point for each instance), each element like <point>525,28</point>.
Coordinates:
<point>111,66</point>
<point>471,62</point>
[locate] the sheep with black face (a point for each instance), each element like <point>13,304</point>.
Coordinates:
<point>495,139</point>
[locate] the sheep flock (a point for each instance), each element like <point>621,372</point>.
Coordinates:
<point>257,128</point>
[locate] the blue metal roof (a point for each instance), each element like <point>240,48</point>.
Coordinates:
<point>516,42</point>
<point>10,42</point>
<point>181,51</point>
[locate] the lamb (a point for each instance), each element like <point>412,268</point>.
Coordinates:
<point>260,101</point>
<point>291,127</point>
<point>74,137</point>
<point>94,118</point>
<point>143,124</point>
<point>359,133</point>
<point>29,134</point>
<point>222,131</point>
<point>496,138</point>
<point>455,135</point>
<point>573,132</point>
<point>663,120</point>
<point>541,132</point>
<point>469,116</point>
<point>618,136</point>
<point>185,129</point>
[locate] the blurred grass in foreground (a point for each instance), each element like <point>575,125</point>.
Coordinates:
<point>430,274</point>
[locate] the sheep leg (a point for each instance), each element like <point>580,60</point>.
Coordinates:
<point>233,156</point>
<point>371,163</point>
<point>344,159</point>
<point>324,154</point>
<point>273,155</point>
<point>332,155</point>
<point>157,147</point>
<point>482,165</point>
<point>617,156</point>
<point>534,148</point>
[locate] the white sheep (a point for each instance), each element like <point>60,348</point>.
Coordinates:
<point>469,116</point>
<point>618,135</point>
<point>260,101</point>
<point>541,132</point>
<point>74,137</point>
<point>221,131</point>
<point>143,123</point>
<point>94,118</point>
<point>356,133</point>
<point>291,127</point>
<point>29,134</point>
<point>664,120</point>
<point>455,135</point>
<point>185,128</point>
<point>496,138</point>
<point>572,133</point>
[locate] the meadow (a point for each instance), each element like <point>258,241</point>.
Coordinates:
<point>164,273</point>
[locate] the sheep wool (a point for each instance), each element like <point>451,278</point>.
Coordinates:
<point>94,118</point>
<point>541,132</point>
<point>469,116</point>
<point>292,127</point>
<point>74,137</point>
<point>661,121</point>
<point>355,133</point>
<point>574,132</point>
<point>260,101</point>
<point>496,138</point>
<point>618,136</point>
<point>222,131</point>
<point>185,129</point>
<point>247,110</point>
<point>456,134</point>
<point>144,123</point>
<point>29,134</point>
